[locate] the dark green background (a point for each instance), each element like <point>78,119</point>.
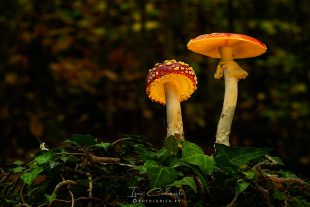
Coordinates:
<point>80,66</point>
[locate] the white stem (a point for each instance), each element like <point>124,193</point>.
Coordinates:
<point>229,106</point>
<point>174,114</point>
<point>230,99</point>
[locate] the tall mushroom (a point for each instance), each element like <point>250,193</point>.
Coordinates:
<point>170,83</point>
<point>227,47</point>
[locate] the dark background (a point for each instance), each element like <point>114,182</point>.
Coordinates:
<point>71,67</point>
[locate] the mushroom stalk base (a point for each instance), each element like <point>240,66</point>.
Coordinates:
<point>232,73</point>
<point>174,114</point>
<point>229,106</point>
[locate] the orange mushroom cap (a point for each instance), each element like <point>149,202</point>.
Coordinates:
<point>180,73</point>
<point>244,46</point>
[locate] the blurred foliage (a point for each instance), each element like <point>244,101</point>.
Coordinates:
<point>79,66</point>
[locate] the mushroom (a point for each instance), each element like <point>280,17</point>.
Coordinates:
<point>227,46</point>
<point>170,83</point>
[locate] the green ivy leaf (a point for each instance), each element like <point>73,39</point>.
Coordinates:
<point>223,164</point>
<point>141,169</point>
<point>160,176</point>
<point>299,201</point>
<point>18,162</point>
<point>172,144</point>
<point>189,181</point>
<point>161,156</point>
<point>176,163</point>
<point>278,160</point>
<point>241,186</point>
<point>145,153</point>
<point>44,157</point>
<point>9,201</point>
<point>287,174</point>
<point>103,145</point>
<point>193,154</point>
<point>18,169</point>
<point>240,155</point>
<point>278,195</point>
<point>189,148</point>
<point>30,176</point>
<point>50,198</point>
<point>249,174</point>
<point>82,140</point>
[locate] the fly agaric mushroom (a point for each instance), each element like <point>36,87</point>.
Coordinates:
<point>170,83</point>
<point>227,46</point>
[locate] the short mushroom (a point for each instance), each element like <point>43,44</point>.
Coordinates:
<point>170,83</point>
<point>227,46</point>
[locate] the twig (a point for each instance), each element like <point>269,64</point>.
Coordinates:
<point>58,186</point>
<point>71,153</point>
<point>198,182</point>
<point>77,200</point>
<point>65,182</point>
<point>94,159</point>
<point>120,140</point>
<point>265,193</point>
<point>24,204</point>
<point>232,202</point>
<point>22,197</point>
<point>275,178</point>
<point>184,200</point>
<point>4,173</point>
<point>90,188</point>
<point>13,185</point>
<point>31,191</point>
<point>110,177</point>
<point>72,198</point>
<point>126,165</point>
<point>273,161</point>
<point>21,194</point>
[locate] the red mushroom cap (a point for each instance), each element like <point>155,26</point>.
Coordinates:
<point>180,73</point>
<point>243,46</point>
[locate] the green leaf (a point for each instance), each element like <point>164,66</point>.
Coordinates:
<point>18,169</point>
<point>31,176</point>
<point>158,175</point>
<point>249,174</point>
<point>299,201</point>
<point>279,195</point>
<point>241,155</point>
<point>193,154</point>
<point>53,164</point>
<point>172,144</point>
<point>287,174</point>
<point>82,140</point>
<point>141,169</point>
<point>103,145</point>
<point>189,181</point>
<point>189,148</point>
<point>176,163</point>
<point>50,198</point>
<point>145,153</point>
<point>44,157</point>
<point>241,186</point>
<point>18,162</point>
<point>278,160</point>
<point>10,201</point>
<point>223,165</point>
